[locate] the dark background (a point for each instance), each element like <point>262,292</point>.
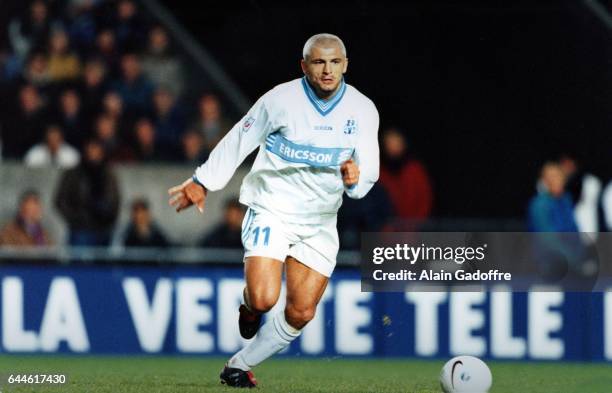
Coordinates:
<point>486,90</point>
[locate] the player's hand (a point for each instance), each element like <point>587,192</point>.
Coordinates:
<point>187,194</point>
<point>350,173</point>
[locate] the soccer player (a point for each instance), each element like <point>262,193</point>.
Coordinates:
<point>317,139</point>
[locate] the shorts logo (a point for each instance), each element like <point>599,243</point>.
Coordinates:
<point>350,127</point>
<point>248,122</point>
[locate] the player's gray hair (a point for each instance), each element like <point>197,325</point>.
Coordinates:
<point>323,40</point>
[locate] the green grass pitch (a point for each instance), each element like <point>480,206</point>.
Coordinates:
<point>192,374</point>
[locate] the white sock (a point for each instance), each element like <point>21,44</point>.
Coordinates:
<point>273,336</point>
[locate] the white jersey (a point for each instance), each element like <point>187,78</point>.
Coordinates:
<point>302,142</point>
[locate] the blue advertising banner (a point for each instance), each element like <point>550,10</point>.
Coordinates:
<point>193,310</point>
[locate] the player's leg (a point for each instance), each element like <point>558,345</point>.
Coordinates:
<point>305,287</point>
<point>265,246</point>
<point>263,284</point>
<point>309,266</point>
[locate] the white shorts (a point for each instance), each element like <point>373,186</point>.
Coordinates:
<point>314,245</point>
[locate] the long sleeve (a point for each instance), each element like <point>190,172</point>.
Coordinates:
<point>366,155</point>
<point>239,142</point>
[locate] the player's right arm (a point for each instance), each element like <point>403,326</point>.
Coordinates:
<point>186,194</point>
<point>224,159</point>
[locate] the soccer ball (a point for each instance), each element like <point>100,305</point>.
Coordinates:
<point>465,374</point>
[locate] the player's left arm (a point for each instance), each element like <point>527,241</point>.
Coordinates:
<point>361,171</point>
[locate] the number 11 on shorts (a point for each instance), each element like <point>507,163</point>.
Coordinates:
<point>266,232</point>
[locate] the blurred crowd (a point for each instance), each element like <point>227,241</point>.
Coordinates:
<point>569,199</point>
<point>94,83</point>
<point>88,199</point>
<point>85,84</point>
<point>566,199</point>
<point>73,70</point>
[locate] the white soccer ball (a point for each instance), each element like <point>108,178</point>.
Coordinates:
<point>465,374</point>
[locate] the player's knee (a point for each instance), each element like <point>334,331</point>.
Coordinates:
<point>262,303</point>
<point>298,317</point>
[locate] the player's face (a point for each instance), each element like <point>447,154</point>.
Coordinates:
<point>324,69</point>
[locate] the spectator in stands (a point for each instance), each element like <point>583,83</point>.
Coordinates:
<point>145,149</point>
<point>228,233</point>
<point>169,121</point>
<point>26,230</point>
<point>63,64</point>
<point>133,87</point>
<point>106,133</point>
<point>31,31</point>
<point>130,27</point>
<point>404,178</point>
<point>112,106</point>
<point>559,248</point>
<point>53,151</point>
<point>81,23</point>
<point>210,121</point>
<point>24,129</point>
<point>88,198</point>
<point>92,87</point>
<point>71,117</point>
<point>36,71</point>
<point>106,49</point>
<point>585,190</point>
<point>160,65</point>
<point>194,151</point>
<point>142,231</point>
<point>551,210</point>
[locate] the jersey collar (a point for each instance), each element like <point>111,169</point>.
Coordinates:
<point>323,106</point>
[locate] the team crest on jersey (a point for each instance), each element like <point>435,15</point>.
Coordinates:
<point>350,127</point>
<point>248,122</point>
